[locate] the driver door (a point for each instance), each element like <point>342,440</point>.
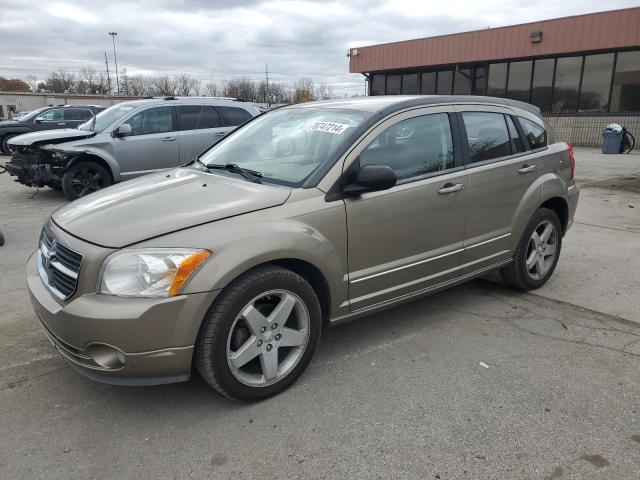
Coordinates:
<point>153,144</point>
<point>51,119</point>
<point>408,239</point>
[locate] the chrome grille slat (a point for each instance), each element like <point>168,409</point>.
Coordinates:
<point>59,266</point>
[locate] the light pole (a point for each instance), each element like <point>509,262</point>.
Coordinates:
<point>115,58</point>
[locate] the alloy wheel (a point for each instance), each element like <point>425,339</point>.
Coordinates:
<point>541,250</point>
<point>268,338</point>
<point>87,180</point>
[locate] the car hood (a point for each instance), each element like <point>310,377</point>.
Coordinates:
<point>162,203</point>
<point>8,123</point>
<point>50,136</point>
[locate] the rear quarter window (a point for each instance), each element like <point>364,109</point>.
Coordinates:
<point>535,135</point>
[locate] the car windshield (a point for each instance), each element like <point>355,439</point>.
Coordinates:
<point>286,146</point>
<point>28,117</point>
<point>105,118</point>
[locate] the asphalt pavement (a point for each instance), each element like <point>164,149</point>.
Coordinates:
<point>478,382</point>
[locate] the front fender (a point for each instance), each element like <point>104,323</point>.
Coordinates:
<point>13,131</point>
<point>75,154</point>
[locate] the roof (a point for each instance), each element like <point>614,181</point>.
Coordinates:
<point>386,104</point>
<point>580,33</point>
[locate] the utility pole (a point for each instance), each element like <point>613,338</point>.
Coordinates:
<point>106,62</point>
<point>115,58</point>
<point>266,93</point>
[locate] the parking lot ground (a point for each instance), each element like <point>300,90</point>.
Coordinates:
<point>400,394</point>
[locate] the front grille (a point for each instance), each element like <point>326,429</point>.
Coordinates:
<point>59,266</point>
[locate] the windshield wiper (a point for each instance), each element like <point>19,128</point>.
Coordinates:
<point>251,175</point>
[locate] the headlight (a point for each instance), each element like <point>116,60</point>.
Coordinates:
<point>151,272</point>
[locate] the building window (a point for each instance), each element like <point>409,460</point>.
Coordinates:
<point>462,81</point>
<point>445,82</point>
<point>542,84</point>
<point>393,84</point>
<point>596,80</point>
<point>497,80</point>
<point>519,84</point>
<point>377,84</point>
<point>567,82</point>
<point>480,80</point>
<point>410,84</point>
<point>625,96</point>
<point>428,83</point>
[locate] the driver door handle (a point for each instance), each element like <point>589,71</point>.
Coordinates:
<point>450,188</point>
<point>526,169</point>
<point>168,139</point>
<point>221,134</point>
<point>62,123</point>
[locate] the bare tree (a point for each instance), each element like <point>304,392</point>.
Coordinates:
<point>324,91</point>
<point>211,89</point>
<point>185,84</point>
<point>303,90</point>
<point>164,86</point>
<point>60,82</point>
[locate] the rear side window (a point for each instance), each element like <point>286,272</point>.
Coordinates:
<point>152,120</point>
<point>234,116</point>
<point>535,134</point>
<point>413,147</point>
<point>77,114</point>
<point>199,117</point>
<point>487,134</point>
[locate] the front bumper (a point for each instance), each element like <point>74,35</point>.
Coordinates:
<point>122,341</point>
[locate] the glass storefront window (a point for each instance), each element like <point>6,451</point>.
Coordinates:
<point>393,84</point>
<point>428,83</point>
<point>625,96</point>
<point>519,84</point>
<point>565,89</point>
<point>480,80</point>
<point>497,80</point>
<point>410,84</point>
<point>377,84</point>
<point>445,82</point>
<point>542,84</point>
<point>596,80</point>
<point>462,81</point>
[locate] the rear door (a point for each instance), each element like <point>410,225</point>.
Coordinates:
<point>200,128</point>
<point>153,144</point>
<point>409,238</point>
<point>501,170</point>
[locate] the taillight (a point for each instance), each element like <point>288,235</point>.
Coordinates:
<point>572,159</point>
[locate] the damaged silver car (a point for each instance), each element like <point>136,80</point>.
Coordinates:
<point>124,141</point>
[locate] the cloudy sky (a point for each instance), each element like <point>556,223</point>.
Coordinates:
<point>222,39</point>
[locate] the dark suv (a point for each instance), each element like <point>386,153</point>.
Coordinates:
<point>46,118</point>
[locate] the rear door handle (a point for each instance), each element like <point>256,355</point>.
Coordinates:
<point>168,139</point>
<point>526,169</point>
<point>61,124</point>
<point>450,188</point>
<point>221,134</point>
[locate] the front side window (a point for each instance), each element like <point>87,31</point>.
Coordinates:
<point>288,145</point>
<point>53,115</point>
<point>535,134</point>
<point>152,120</point>
<point>107,117</point>
<point>234,116</point>
<point>487,135</point>
<point>197,117</point>
<point>413,147</point>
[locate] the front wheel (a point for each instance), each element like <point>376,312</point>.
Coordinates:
<point>83,178</point>
<point>537,253</point>
<point>259,335</point>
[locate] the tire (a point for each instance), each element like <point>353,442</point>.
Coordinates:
<point>83,178</point>
<point>57,186</point>
<point>529,277</point>
<point>5,143</point>
<point>225,333</point>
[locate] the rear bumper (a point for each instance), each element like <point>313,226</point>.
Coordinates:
<point>572,196</point>
<point>122,341</point>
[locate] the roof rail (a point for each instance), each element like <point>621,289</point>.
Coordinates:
<point>171,98</point>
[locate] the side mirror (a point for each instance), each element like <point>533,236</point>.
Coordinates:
<point>371,178</point>
<point>123,130</point>
<point>39,120</point>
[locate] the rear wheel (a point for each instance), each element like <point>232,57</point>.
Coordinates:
<point>259,335</point>
<point>537,254</point>
<point>84,178</point>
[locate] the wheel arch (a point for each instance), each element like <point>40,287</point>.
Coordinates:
<point>561,207</point>
<point>110,164</point>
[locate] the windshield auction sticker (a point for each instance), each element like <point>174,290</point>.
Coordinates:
<point>329,127</point>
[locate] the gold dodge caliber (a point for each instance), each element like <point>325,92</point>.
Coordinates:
<point>305,216</point>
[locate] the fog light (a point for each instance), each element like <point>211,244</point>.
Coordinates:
<point>106,356</point>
